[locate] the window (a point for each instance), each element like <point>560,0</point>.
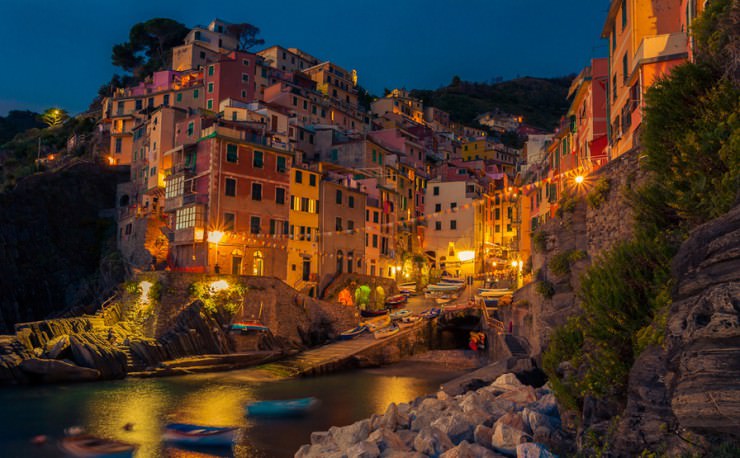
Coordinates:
<point>209,104</point>
<point>210,88</point>
<point>196,92</point>
<point>138,104</point>
<point>188,217</point>
<point>281,164</point>
<point>338,225</point>
<point>375,217</point>
<point>624,14</point>
<point>231,153</point>
<point>280,196</point>
<point>453,224</point>
<point>229,219</point>
<point>614,87</point>
<point>375,240</point>
<point>508,228</point>
<point>438,225</point>
<point>166,101</point>
<point>509,212</point>
<point>351,201</point>
<point>295,101</point>
<point>202,54</point>
<point>453,205</point>
<point>190,128</point>
<point>298,176</point>
<point>497,228</point>
<point>312,180</point>
<point>497,212</point>
<point>245,78</point>
<point>256,191</point>
<point>258,159</point>
<point>174,187</point>
<point>254,225</point>
<point>339,197</point>
<point>435,190</point>
<point>178,97</point>
<point>230,187</point>
<point>350,225</point>
<point>211,69</point>
<point>437,207</point>
<point>614,36</point>
<point>119,145</point>
<point>625,74</point>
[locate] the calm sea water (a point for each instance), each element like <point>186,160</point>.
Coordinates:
<point>215,399</point>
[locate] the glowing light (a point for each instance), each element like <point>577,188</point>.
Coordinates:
<point>514,263</point>
<point>579,179</point>
<point>215,236</point>
<point>219,285</point>
<point>111,160</point>
<point>145,287</point>
<point>465,256</point>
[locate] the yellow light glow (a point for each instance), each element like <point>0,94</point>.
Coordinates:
<point>464,256</point>
<point>579,179</point>
<point>215,236</point>
<point>111,160</point>
<point>219,285</point>
<point>145,287</point>
<point>514,263</point>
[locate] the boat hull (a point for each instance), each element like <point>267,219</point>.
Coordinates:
<point>197,435</point>
<point>352,333</point>
<point>87,446</point>
<point>279,409</point>
<point>384,333</point>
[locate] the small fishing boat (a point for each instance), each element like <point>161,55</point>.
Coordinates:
<point>249,326</point>
<point>209,436</point>
<point>367,313</point>
<point>440,287</point>
<point>87,446</point>
<point>408,321</point>
<point>386,332</point>
<point>430,313</point>
<point>398,314</point>
<point>397,300</point>
<point>407,286</point>
<point>373,324</point>
<point>352,333</point>
<point>283,408</point>
<point>444,300</point>
<point>457,307</point>
<point>493,292</point>
<point>451,281</point>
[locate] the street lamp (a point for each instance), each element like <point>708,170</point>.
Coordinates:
<point>215,237</point>
<point>579,179</point>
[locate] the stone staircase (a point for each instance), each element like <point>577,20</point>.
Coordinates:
<point>515,346</point>
<point>133,362</point>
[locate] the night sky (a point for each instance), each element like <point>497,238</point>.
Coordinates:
<point>57,53</point>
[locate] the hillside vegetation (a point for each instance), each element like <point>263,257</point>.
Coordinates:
<point>541,101</point>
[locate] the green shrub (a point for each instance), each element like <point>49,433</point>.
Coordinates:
<point>598,194</point>
<point>567,204</point>
<point>539,241</point>
<point>545,288</point>
<point>229,299</point>
<point>566,344</point>
<point>561,263</point>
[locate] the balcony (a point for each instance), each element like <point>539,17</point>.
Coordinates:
<point>659,48</point>
<point>173,203</point>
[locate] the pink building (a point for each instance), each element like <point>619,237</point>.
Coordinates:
<point>233,76</point>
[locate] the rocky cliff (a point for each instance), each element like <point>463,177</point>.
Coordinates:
<point>53,239</point>
<point>686,393</point>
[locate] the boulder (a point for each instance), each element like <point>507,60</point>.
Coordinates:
<point>433,442</point>
<point>318,451</point>
<point>546,404</point>
<point>468,450</point>
<point>95,353</point>
<point>393,419</point>
<point>400,454</point>
<point>482,435</point>
<point>363,449</point>
<point>56,346</point>
<point>347,436</point>
<point>533,450</point>
<point>407,437</point>
<point>523,395</point>
<point>386,439</point>
<point>539,422</point>
<point>52,371</point>
<point>457,426</point>
<point>513,420</point>
<point>506,382</point>
<point>505,439</point>
<point>321,438</point>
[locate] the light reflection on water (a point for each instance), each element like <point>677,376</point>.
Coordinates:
<point>214,399</point>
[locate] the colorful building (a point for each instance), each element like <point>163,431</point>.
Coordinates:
<point>303,241</point>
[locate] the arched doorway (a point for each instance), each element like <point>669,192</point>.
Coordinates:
<point>258,264</point>
<point>236,262</point>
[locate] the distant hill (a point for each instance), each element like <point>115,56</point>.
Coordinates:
<point>16,122</point>
<point>542,101</point>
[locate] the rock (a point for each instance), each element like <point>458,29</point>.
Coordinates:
<point>442,396</point>
<point>347,436</point>
<point>532,450</point>
<point>433,442</point>
<point>457,426</point>
<point>506,382</point>
<point>399,454</point>
<point>363,449</point>
<point>96,353</point>
<point>429,410</point>
<point>482,435</point>
<point>321,438</point>
<point>393,419</point>
<point>56,346</point>
<point>546,404</point>
<point>538,421</point>
<point>523,395</point>
<point>407,437</point>
<point>513,420</point>
<point>386,439</point>
<point>467,450</point>
<point>318,451</point>
<point>505,439</point>
<point>52,371</point>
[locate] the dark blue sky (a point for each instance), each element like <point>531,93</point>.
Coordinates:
<point>57,53</point>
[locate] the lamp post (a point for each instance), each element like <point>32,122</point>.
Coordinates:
<point>215,237</point>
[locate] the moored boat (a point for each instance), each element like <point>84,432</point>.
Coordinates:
<point>373,312</point>
<point>443,300</point>
<point>87,446</point>
<point>281,408</point>
<point>386,332</point>
<point>430,313</point>
<point>397,300</point>
<point>398,314</point>
<point>249,325</point>
<point>441,287</point>
<point>209,436</point>
<point>373,324</point>
<point>493,292</point>
<point>408,321</point>
<point>451,281</point>
<point>457,307</point>
<point>352,333</point>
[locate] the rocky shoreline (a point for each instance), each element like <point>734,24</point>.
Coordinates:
<point>503,418</point>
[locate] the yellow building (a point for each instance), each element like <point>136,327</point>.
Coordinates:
<point>303,242</point>
<point>401,103</point>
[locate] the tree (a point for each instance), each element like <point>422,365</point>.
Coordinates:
<point>246,34</point>
<point>54,117</point>
<point>149,46</point>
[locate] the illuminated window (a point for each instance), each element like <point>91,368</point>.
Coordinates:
<point>175,187</point>
<point>188,217</point>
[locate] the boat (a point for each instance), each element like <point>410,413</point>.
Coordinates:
<point>386,332</point>
<point>367,313</point>
<point>407,288</point>
<point>493,292</point>
<point>440,287</point>
<point>210,436</point>
<point>408,321</point>
<point>352,333</point>
<point>395,301</point>
<point>249,325</point>
<point>281,408</point>
<point>431,313</point>
<point>373,324</point>
<point>451,281</point>
<point>458,307</point>
<point>88,446</point>
<point>398,314</point>
<point>443,300</point>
